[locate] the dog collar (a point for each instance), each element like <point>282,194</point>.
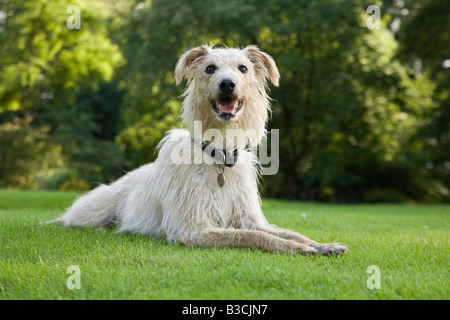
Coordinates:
<point>222,158</point>
<point>226,157</point>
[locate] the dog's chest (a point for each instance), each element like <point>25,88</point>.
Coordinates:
<point>229,201</point>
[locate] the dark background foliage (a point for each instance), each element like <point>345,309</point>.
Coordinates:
<point>363,114</point>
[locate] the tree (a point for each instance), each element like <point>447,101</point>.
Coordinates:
<point>424,37</point>
<point>344,106</point>
<point>59,77</point>
<point>363,114</point>
<point>42,58</point>
<point>24,152</point>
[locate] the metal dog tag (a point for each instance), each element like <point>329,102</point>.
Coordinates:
<point>220,169</point>
<point>221,180</point>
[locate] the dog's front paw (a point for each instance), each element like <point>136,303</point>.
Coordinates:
<point>331,249</point>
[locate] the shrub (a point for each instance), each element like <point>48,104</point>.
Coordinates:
<point>25,153</point>
<point>75,184</point>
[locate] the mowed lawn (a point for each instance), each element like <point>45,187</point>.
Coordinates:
<point>408,243</point>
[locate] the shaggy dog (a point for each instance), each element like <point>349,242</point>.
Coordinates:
<point>203,187</point>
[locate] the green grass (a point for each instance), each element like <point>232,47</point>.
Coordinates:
<point>409,243</point>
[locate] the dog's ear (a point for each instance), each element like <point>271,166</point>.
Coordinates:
<point>264,64</point>
<point>188,59</point>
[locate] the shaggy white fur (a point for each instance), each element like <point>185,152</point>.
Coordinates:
<point>181,200</point>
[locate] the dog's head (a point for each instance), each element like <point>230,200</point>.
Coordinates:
<point>227,87</point>
<point>226,79</point>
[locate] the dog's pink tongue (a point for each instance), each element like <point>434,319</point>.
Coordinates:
<point>227,105</point>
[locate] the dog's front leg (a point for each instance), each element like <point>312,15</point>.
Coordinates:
<point>324,248</point>
<point>250,238</point>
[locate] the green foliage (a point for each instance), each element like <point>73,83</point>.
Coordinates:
<point>58,74</point>
<point>361,112</point>
<point>74,184</point>
<point>345,106</point>
<point>41,57</point>
<point>425,44</point>
<point>86,129</point>
<point>24,152</point>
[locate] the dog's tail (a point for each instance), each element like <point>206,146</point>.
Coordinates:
<point>97,208</point>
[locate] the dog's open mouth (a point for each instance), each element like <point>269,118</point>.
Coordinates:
<point>226,108</point>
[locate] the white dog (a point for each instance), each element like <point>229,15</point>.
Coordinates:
<point>207,203</point>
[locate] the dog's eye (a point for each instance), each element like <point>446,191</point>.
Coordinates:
<point>210,69</point>
<point>242,69</point>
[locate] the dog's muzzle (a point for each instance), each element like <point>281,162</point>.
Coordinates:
<point>227,105</point>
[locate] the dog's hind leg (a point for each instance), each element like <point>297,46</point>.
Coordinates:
<point>251,239</point>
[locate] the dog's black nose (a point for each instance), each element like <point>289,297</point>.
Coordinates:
<point>227,85</point>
